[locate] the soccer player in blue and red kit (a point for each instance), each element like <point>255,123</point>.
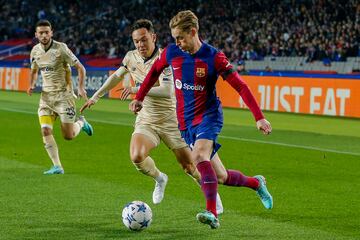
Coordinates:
<point>196,67</point>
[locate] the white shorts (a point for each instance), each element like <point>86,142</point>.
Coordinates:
<point>167,131</point>
<point>55,104</point>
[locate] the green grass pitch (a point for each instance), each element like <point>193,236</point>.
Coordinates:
<point>312,165</point>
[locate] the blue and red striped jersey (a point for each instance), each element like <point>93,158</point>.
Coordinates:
<point>195,77</point>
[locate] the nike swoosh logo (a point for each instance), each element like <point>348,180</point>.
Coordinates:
<point>197,135</point>
<point>176,68</point>
<point>208,182</point>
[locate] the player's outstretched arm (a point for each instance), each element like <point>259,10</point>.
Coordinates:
<point>88,104</point>
<point>109,84</point>
<point>33,78</point>
<point>224,67</point>
<point>81,75</point>
<point>165,90</point>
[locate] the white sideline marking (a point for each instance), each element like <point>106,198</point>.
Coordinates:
<point>221,136</point>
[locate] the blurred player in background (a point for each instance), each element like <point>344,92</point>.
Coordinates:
<point>158,120</point>
<point>54,60</point>
<point>196,67</point>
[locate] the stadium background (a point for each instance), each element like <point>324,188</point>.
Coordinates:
<point>281,43</point>
<point>301,56</point>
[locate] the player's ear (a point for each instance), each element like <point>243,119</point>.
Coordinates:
<point>154,37</point>
<point>193,32</point>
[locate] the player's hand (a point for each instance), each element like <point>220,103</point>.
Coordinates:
<point>264,126</point>
<point>30,90</point>
<point>88,104</point>
<point>135,106</point>
<point>82,93</point>
<point>125,92</point>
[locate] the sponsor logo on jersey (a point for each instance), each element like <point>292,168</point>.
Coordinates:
<point>179,85</point>
<point>200,72</point>
<point>193,88</point>
<point>47,69</point>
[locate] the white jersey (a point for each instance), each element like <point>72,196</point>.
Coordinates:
<point>53,64</point>
<point>155,109</point>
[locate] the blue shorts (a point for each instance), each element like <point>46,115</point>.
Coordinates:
<point>208,131</point>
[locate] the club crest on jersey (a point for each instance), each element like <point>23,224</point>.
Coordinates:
<point>200,72</point>
<point>178,84</point>
<point>52,57</point>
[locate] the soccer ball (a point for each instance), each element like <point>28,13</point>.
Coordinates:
<point>137,215</point>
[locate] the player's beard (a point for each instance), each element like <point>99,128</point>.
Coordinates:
<point>45,41</point>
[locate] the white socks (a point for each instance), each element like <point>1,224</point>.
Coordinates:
<point>52,149</point>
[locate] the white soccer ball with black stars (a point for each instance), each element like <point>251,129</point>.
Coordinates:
<point>137,215</point>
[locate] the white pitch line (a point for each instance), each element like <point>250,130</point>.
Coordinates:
<point>290,145</point>
<point>221,136</point>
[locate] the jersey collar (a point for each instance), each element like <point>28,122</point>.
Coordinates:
<point>50,45</point>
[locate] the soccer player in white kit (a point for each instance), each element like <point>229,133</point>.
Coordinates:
<point>157,120</point>
<point>54,60</point>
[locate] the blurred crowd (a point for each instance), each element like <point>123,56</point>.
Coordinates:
<point>244,30</point>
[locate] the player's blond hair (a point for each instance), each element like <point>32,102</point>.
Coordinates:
<point>184,20</point>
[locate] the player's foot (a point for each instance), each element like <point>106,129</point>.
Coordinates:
<point>219,206</point>
<point>54,170</point>
<point>87,128</point>
<point>263,193</point>
<point>159,190</point>
<point>208,218</point>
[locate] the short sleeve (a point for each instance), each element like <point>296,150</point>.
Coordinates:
<point>69,56</point>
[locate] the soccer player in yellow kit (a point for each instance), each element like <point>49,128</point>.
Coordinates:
<point>157,120</point>
<point>54,60</point>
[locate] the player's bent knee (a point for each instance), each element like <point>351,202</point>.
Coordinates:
<point>46,131</point>
<point>68,137</point>
<point>137,157</point>
<point>221,177</point>
<point>188,168</point>
<point>198,157</point>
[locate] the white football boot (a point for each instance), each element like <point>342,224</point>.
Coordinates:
<point>159,190</point>
<point>219,206</point>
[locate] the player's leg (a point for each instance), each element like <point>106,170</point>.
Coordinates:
<point>69,127</point>
<point>71,130</point>
<point>202,151</point>
<point>46,119</point>
<point>143,140</point>
<point>236,178</point>
<point>232,177</point>
<point>46,122</point>
<point>183,156</point>
<point>201,155</point>
<point>170,135</point>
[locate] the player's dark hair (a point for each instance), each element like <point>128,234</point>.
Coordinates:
<point>143,23</point>
<point>43,23</point>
